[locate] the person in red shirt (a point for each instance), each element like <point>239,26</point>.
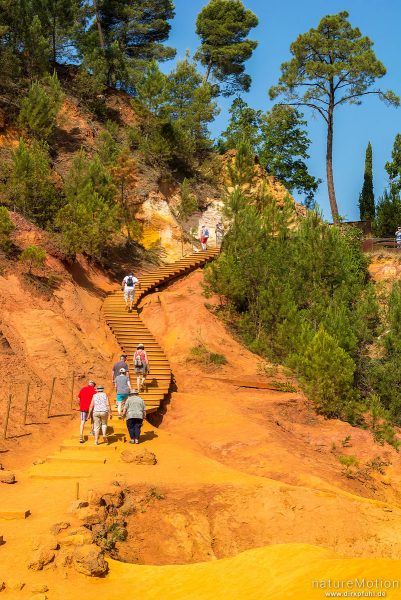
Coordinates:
<point>85,396</point>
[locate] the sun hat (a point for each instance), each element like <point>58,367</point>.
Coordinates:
<point>122,370</point>
<point>99,388</point>
<point>140,346</point>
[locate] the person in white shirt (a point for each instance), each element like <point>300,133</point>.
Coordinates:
<point>101,410</point>
<point>128,286</point>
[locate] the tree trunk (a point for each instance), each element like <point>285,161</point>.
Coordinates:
<point>54,40</point>
<point>99,26</point>
<point>329,164</point>
<point>207,74</point>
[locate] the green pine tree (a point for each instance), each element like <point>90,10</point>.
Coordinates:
<point>331,65</point>
<point>393,167</point>
<point>40,108</point>
<point>223,27</point>
<point>284,150</point>
<point>6,229</point>
<point>388,214</point>
<point>244,122</point>
<point>128,35</point>
<point>367,197</point>
<point>29,183</point>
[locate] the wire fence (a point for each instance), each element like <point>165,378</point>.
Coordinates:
<point>24,403</point>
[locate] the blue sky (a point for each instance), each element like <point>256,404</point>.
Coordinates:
<point>279,25</point>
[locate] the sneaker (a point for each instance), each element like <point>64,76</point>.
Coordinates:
<point>96,443</point>
<point>132,441</point>
<point>136,441</point>
<point>81,440</point>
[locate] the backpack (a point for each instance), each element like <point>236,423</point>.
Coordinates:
<point>138,359</point>
<point>206,233</point>
<point>130,281</point>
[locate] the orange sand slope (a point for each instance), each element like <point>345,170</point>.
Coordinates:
<point>253,497</point>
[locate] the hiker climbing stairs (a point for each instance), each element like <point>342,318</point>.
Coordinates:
<point>130,331</point>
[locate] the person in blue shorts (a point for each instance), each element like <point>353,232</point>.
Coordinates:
<point>123,389</point>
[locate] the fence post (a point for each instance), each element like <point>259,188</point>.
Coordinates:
<point>26,401</point>
<point>72,391</point>
<point>7,416</point>
<point>50,397</point>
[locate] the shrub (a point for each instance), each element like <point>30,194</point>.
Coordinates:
<point>40,108</point>
<point>29,183</point>
<point>6,229</point>
<point>327,372</point>
<point>203,356</point>
<point>33,256</point>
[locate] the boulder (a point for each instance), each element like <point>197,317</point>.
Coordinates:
<point>94,497</point>
<point>64,557</point>
<point>90,561</point>
<point>128,508</point>
<point>143,458</point>
<point>77,537</point>
<point>57,527</point>
<point>39,558</point>
<point>92,515</point>
<point>7,477</point>
<point>39,588</point>
<point>77,505</point>
<point>15,586</point>
<point>45,541</point>
<point>113,497</point>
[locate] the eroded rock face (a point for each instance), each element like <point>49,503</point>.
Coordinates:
<point>89,560</point>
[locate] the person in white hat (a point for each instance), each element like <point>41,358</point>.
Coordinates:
<point>101,410</point>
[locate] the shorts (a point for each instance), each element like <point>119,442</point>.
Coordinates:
<point>121,397</point>
<point>203,240</point>
<point>84,415</point>
<point>142,370</point>
<point>129,293</point>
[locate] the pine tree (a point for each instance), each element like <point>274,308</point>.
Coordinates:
<point>223,27</point>
<point>284,150</point>
<point>58,19</point>
<point>125,177</point>
<point>29,183</point>
<point>393,167</point>
<point>332,65</point>
<point>244,122</point>
<point>388,214</point>
<point>128,35</point>
<point>87,223</point>
<point>190,104</point>
<point>6,229</point>
<point>366,197</point>
<point>40,107</point>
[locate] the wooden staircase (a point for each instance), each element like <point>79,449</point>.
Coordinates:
<point>130,331</point>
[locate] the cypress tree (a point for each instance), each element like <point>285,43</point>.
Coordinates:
<point>367,197</point>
